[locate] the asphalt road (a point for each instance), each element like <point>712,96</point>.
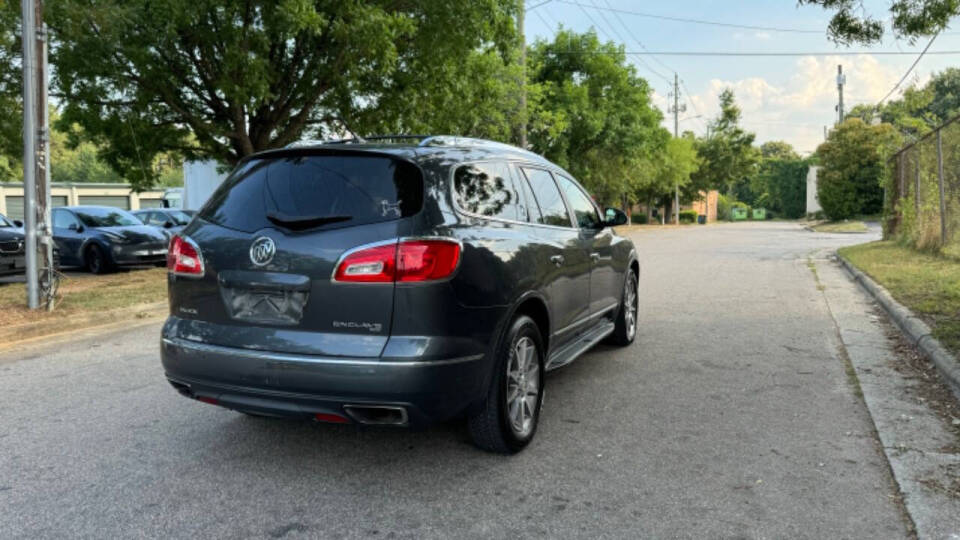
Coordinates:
<point>731,416</point>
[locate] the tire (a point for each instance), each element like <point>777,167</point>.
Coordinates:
<point>96,260</point>
<point>505,422</point>
<point>625,330</point>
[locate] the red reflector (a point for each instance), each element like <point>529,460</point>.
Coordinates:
<point>210,400</point>
<point>183,257</point>
<point>410,260</point>
<point>427,260</point>
<point>331,418</point>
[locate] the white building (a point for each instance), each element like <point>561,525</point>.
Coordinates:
<point>813,204</point>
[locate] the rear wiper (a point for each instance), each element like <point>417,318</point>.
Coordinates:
<point>299,223</point>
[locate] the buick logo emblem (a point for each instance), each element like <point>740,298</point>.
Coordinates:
<point>262,251</point>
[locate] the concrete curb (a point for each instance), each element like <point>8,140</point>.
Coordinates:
<point>16,335</point>
<point>915,329</point>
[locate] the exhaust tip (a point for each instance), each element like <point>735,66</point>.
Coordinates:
<point>379,415</point>
<point>183,389</point>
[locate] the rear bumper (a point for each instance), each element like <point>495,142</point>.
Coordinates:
<point>305,385</point>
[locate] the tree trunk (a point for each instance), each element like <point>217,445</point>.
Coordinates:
<point>627,210</point>
<point>650,210</point>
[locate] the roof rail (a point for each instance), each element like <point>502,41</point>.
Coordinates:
<point>425,140</point>
<point>395,137</point>
<point>454,140</point>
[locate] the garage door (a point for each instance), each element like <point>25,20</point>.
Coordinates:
<point>151,203</point>
<point>15,205</point>
<point>116,201</point>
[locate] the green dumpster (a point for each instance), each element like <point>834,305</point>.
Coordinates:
<point>759,214</point>
<point>738,214</point>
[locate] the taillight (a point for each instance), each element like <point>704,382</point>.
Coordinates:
<point>406,261</point>
<point>183,257</point>
<point>426,260</point>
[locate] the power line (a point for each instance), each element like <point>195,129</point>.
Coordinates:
<point>701,21</point>
<point>537,5</point>
<point>627,30</point>
<point>624,41</point>
<point>765,53</point>
<point>905,75</point>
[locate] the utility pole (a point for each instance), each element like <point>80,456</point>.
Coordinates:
<point>841,80</point>
<point>523,74</point>
<point>36,158</point>
<point>676,110</point>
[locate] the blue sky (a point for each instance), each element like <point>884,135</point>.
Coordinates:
<point>783,98</point>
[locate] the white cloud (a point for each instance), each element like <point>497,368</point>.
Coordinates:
<point>762,35</point>
<point>794,110</point>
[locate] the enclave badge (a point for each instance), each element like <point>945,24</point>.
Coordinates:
<point>262,251</point>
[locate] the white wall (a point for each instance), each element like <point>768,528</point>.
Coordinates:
<point>813,204</point>
<point>200,179</point>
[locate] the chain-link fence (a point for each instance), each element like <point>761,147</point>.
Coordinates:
<point>923,191</point>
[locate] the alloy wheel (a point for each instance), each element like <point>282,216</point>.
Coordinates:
<point>523,387</point>
<point>630,305</point>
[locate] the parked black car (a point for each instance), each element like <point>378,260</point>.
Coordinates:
<point>11,247</point>
<point>395,284</point>
<point>101,238</point>
<point>169,219</point>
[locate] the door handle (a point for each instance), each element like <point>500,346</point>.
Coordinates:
<point>595,257</point>
<point>557,260</point>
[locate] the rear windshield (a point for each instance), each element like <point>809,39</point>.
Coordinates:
<point>106,217</point>
<point>310,191</point>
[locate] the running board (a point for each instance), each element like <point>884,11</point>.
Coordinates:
<point>582,344</point>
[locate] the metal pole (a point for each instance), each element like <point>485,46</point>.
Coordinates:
<point>840,82</point>
<point>916,192</point>
<point>28,30</point>
<point>45,225</point>
<point>943,199</point>
<point>676,133</point>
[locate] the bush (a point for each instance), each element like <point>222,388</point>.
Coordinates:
<point>853,160</point>
<point>724,205</point>
<point>640,219</point>
<point>688,216</point>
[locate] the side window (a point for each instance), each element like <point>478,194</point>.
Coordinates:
<point>487,189</point>
<point>62,219</point>
<point>552,209</point>
<point>156,218</point>
<point>533,209</point>
<point>583,208</point>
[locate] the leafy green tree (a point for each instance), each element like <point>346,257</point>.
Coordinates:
<point>223,79</point>
<point>727,154</point>
<point>782,183</point>
<point>778,150</point>
<point>909,19</point>
<point>853,159</point>
<point>592,113</point>
<point>11,115</point>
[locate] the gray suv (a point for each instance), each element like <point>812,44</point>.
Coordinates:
<point>397,282</point>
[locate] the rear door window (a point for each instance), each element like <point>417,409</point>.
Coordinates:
<point>301,192</point>
<point>487,189</point>
<point>552,208</point>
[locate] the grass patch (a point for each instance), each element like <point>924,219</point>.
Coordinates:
<point>845,226</point>
<point>927,284</point>
<point>87,294</point>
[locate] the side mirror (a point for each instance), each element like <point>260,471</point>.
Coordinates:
<point>17,223</point>
<point>614,217</point>
<point>167,224</point>
<point>75,227</point>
